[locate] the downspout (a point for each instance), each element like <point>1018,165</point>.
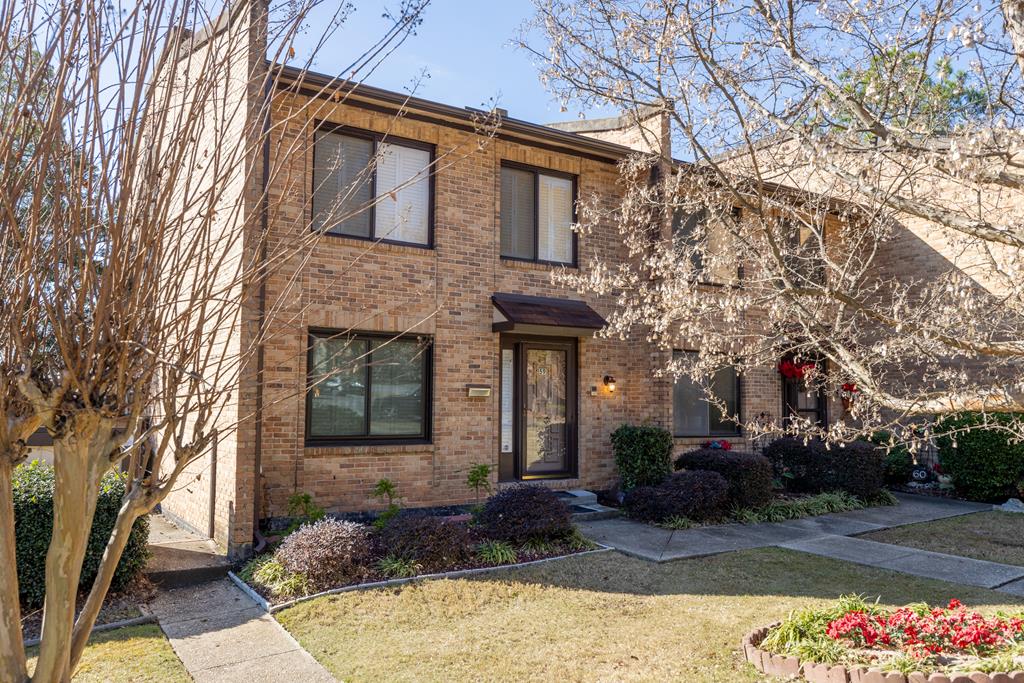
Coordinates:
<point>260,540</point>
<point>212,528</point>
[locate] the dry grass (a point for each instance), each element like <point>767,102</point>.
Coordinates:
<point>994,536</point>
<point>136,654</point>
<point>604,617</point>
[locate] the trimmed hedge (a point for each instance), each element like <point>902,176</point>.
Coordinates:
<point>33,526</point>
<point>521,513</point>
<point>983,463</point>
<point>899,464</point>
<point>749,475</point>
<point>857,468</point>
<point>695,494</point>
<point>643,455</point>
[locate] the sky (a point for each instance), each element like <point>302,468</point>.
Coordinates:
<point>464,46</point>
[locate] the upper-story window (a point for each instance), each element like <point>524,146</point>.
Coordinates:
<point>693,230</point>
<point>369,186</point>
<point>537,215</point>
<point>804,255</point>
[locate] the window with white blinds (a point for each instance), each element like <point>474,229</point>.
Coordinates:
<point>536,216</point>
<point>350,171</point>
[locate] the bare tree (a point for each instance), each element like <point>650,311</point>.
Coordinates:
<point>849,196</point>
<point>132,252</point>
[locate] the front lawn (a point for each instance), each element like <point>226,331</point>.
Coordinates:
<point>595,617</point>
<point>139,654</point>
<point>993,536</point>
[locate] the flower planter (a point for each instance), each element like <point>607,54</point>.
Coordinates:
<point>786,666</point>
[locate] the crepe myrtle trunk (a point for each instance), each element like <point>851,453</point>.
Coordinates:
<point>81,458</point>
<point>12,651</point>
<point>134,506</point>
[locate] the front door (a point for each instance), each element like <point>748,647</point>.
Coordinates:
<point>538,396</point>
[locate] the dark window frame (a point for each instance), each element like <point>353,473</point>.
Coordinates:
<point>538,171</point>
<point>426,436</point>
<point>737,430</point>
<point>791,228</point>
<point>326,127</point>
<point>510,465</point>
<point>737,214</point>
<point>793,386</point>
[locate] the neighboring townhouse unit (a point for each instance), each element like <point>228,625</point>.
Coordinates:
<point>424,336</point>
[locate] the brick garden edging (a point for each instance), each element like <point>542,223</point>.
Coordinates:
<point>788,666</point>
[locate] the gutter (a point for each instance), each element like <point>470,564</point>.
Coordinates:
<point>359,94</point>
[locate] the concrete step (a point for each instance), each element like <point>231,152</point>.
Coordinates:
<point>578,497</point>
<point>593,512</point>
<point>181,558</point>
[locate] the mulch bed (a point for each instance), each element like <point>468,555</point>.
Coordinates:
<point>117,607</point>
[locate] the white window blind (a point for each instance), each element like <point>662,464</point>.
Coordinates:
<point>403,191</point>
<point>554,230</point>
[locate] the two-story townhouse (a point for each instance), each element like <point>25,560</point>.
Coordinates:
<point>424,335</point>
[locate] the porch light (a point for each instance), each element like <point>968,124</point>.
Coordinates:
<point>609,382</point>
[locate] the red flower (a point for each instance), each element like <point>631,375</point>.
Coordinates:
<point>791,370</point>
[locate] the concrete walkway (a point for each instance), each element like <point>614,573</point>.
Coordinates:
<point>221,636</point>
<point>827,535</point>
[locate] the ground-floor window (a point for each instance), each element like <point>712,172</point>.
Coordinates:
<point>693,415</point>
<point>368,387</point>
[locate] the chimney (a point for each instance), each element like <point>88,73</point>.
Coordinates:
<point>645,129</point>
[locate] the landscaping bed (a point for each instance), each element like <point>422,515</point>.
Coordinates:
<point>851,638</point>
<point>118,606</point>
<point>518,525</point>
<point>715,485</point>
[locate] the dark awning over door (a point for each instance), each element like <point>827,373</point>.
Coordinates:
<point>543,315</point>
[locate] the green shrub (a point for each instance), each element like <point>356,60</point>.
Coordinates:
<point>496,552</point>
<point>857,467</point>
<point>33,526</point>
<point>796,465</point>
<point>643,455</point>
<point>267,573</point>
<point>694,494</point>
<point>899,464</point>
<point>983,463</point>
<point>398,567</point>
<point>519,513</point>
<point>303,510</point>
<point>749,475</point>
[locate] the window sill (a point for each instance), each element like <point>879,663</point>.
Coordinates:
<point>526,264</point>
<point>372,243</point>
<point>312,450</point>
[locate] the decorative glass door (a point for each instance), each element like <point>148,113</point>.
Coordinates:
<point>545,412</point>
<point>538,396</point>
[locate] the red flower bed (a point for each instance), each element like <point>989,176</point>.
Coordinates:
<point>922,632</point>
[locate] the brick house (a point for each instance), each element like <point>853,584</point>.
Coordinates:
<point>429,328</point>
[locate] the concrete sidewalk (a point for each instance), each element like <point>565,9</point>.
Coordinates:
<point>221,636</point>
<point>660,545</point>
<point>827,535</point>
